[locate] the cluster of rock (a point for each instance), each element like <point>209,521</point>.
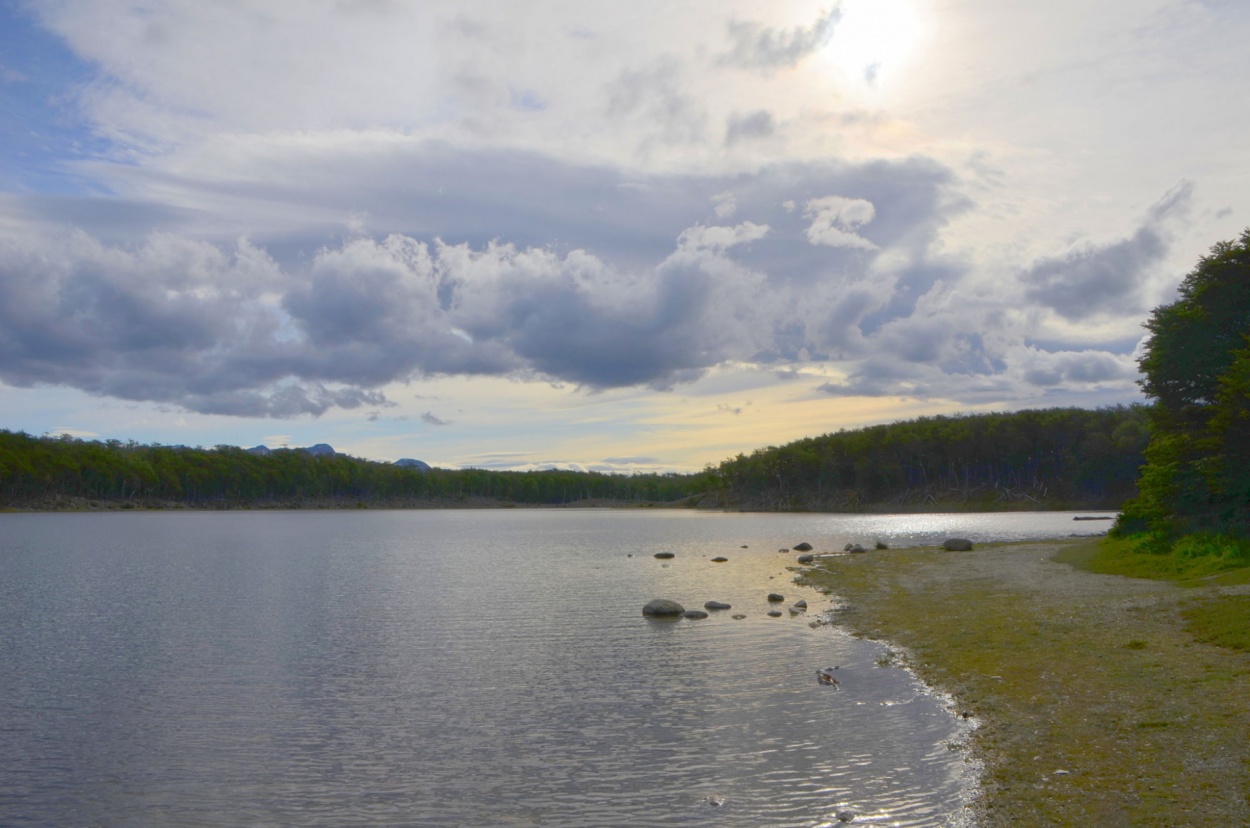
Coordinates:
<point>950,545</point>
<point>666,608</point>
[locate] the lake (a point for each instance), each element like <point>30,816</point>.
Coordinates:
<point>459,668</point>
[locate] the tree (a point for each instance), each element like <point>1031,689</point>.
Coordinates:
<point>1196,367</point>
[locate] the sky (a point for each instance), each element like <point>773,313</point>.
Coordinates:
<point>619,236</point>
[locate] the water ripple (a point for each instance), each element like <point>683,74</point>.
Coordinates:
<point>445,668</point>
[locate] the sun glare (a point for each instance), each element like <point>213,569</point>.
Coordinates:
<point>874,39</point>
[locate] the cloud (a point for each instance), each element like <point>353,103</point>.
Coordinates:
<point>1110,277</point>
<point>505,263</point>
<point>184,322</point>
<point>720,238</point>
<point>750,127</point>
<point>429,419</point>
<point>724,204</point>
<point>1049,369</point>
<point>835,220</point>
<point>639,292</point>
<point>767,48</point>
<point>655,97</point>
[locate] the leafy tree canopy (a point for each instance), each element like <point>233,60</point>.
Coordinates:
<point>1196,367</point>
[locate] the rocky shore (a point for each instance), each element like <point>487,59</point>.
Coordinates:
<point>1096,706</point>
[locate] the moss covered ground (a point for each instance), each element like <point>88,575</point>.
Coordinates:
<point>1103,700</point>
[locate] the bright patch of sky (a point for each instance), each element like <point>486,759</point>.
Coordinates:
<point>609,235</point>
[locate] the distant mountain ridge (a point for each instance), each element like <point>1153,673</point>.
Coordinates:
<point>327,450</point>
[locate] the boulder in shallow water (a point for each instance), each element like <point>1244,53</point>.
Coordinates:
<point>775,597</point>
<point>716,605</point>
<point>774,613</point>
<point>664,556</point>
<point>803,547</point>
<point>801,603</point>
<point>806,559</point>
<point>694,614</point>
<point>957,545</point>
<point>662,608</point>
<point>738,616</point>
<point>856,549</point>
<point>719,559</point>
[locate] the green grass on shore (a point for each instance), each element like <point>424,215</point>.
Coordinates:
<point>1219,619</point>
<point>1191,562</point>
<point>1108,708</point>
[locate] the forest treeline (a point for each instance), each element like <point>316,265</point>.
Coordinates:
<point>1052,458</point>
<point>51,472</point>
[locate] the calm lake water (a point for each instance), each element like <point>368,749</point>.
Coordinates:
<point>457,668</point>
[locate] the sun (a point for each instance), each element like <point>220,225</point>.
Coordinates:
<point>874,40</point>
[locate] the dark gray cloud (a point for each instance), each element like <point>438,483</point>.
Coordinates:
<point>767,48</point>
<point>1111,277</point>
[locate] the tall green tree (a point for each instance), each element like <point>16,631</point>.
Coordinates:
<point>1196,367</point>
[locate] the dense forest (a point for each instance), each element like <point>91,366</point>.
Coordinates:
<point>1052,458</point>
<point>58,472</point>
<point>1031,459</point>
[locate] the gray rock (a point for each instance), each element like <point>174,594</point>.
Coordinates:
<point>801,603</point>
<point>719,559</point>
<point>774,614</point>
<point>803,547</point>
<point>716,605</point>
<point>665,555</point>
<point>776,597</point>
<point>856,549</point>
<point>957,545</point>
<point>694,614</point>
<point>806,559</point>
<point>738,616</point>
<point>662,608</point>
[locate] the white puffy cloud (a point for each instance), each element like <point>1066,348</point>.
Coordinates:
<point>835,220</point>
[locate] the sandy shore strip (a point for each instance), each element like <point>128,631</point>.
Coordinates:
<point>1096,706</point>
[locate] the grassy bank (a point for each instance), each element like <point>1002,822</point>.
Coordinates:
<point>1103,700</point>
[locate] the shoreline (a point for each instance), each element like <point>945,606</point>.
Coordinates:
<point>1094,705</point>
<point>75,503</point>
